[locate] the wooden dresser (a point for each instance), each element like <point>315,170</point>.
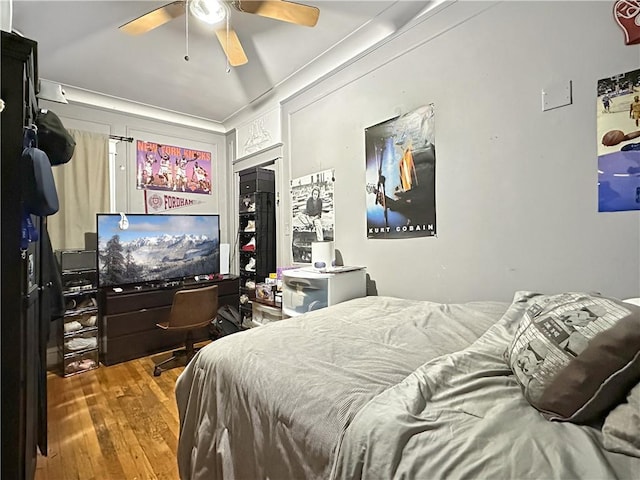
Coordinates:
<point>128,319</point>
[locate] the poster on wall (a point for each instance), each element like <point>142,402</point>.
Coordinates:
<point>178,169</point>
<point>400,176</point>
<point>618,137</point>
<point>312,212</point>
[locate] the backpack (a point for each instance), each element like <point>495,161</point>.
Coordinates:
<point>228,320</point>
<point>40,195</point>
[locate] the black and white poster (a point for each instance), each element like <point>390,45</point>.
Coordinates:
<point>400,176</point>
<point>312,210</point>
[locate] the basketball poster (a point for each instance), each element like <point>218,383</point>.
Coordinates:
<point>400,175</point>
<point>177,169</point>
<point>618,137</point>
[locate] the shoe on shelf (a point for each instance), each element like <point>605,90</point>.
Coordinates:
<point>244,298</point>
<point>86,364</point>
<point>80,343</point>
<point>72,326</point>
<point>251,265</point>
<point>250,284</point>
<point>248,204</point>
<point>250,246</point>
<point>251,226</point>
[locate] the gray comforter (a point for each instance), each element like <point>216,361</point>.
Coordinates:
<point>274,402</point>
<point>464,416</point>
<point>376,388</point>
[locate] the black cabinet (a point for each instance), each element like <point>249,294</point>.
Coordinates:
<point>23,335</point>
<point>257,180</point>
<point>257,233</point>
<point>128,319</point>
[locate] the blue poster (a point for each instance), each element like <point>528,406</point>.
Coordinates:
<point>400,176</point>
<point>618,121</point>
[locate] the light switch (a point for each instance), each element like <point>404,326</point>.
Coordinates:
<point>556,95</point>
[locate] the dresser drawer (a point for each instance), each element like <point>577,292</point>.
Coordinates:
<point>134,322</point>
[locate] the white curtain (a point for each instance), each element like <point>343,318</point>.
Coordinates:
<point>83,191</point>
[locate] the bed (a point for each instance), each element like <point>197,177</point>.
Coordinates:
<point>382,387</point>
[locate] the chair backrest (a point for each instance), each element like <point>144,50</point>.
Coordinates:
<point>194,307</point>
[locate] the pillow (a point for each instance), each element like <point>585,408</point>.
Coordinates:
<point>621,428</point>
<point>576,355</point>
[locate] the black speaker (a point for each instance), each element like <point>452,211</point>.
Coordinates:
<point>90,241</point>
<point>72,260</point>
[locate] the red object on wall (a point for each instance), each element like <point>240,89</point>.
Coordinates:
<point>627,15</point>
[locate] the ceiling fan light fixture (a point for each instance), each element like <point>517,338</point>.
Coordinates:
<point>208,11</point>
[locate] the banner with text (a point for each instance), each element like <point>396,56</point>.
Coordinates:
<point>155,202</point>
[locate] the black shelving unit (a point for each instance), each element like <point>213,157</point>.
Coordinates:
<point>78,338</point>
<point>257,232</point>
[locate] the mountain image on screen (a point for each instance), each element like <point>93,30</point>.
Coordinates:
<point>155,258</point>
<point>149,257</point>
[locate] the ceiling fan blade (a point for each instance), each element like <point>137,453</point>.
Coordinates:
<point>280,10</point>
<point>231,46</point>
<point>154,18</point>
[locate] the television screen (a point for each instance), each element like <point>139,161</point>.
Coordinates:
<point>156,248</point>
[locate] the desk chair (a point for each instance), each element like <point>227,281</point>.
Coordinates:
<point>191,309</point>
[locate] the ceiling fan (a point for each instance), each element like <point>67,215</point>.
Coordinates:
<point>213,12</point>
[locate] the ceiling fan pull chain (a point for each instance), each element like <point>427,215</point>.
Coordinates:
<point>186,30</point>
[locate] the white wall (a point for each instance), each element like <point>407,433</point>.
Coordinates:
<point>127,197</point>
<point>516,188</point>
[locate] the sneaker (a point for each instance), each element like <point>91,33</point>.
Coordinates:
<point>248,204</point>
<point>80,343</point>
<point>86,364</point>
<point>251,226</point>
<point>244,298</point>
<point>72,326</point>
<point>251,266</point>
<point>250,246</point>
<point>89,322</point>
<point>250,284</point>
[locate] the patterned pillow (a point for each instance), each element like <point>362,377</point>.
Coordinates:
<point>576,355</point>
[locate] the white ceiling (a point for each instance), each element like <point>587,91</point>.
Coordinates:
<point>80,45</point>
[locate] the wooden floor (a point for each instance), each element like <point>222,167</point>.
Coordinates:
<point>112,423</point>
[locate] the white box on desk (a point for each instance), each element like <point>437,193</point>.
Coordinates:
<point>305,290</point>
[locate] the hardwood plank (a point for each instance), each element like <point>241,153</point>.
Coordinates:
<point>163,399</point>
<point>131,454</point>
<point>118,422</point>
<point>52,466</point>
<point>74,403</point>
<point>103,424</point>
<point>148,432</point>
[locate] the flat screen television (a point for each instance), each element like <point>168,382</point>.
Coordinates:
<point>156,248</point>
